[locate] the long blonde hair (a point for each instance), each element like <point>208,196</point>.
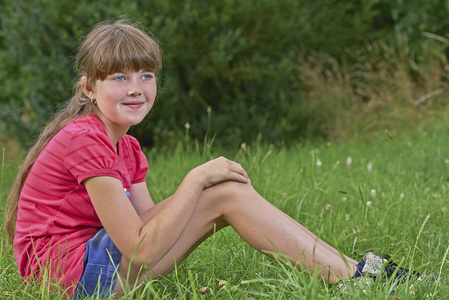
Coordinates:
<point>119,46</point>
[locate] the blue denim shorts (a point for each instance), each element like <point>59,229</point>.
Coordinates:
<point>100,267</point>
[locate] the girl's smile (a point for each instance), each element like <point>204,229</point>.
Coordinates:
<point>134,104</point>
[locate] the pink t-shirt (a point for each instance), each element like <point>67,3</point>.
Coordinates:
<point>56,218</point>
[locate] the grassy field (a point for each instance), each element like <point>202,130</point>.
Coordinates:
<point>387,196</point>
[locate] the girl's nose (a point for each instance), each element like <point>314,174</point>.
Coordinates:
<point>135,92</point>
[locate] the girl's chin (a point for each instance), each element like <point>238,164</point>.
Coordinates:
<point>135,122</point>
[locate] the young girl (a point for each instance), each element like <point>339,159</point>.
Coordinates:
<point>82,212</point>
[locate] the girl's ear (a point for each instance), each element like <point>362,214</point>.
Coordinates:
<point>87,88</point>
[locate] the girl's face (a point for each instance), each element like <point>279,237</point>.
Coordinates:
<point>124,99</point>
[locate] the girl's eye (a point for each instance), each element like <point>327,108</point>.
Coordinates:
<point>119,78</point>
<point>147,76</point>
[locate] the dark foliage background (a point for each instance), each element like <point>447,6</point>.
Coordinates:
<point>231,68</point>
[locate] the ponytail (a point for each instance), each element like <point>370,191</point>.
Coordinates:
<point>75,108</point>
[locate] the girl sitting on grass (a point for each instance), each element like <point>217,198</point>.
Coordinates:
<point>82,212</point>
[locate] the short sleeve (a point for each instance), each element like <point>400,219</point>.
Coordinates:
<point>140,161</point>
<point>91,154</point>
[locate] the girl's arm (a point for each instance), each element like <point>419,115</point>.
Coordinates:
<point>140,197</point>
<point>156,237</point>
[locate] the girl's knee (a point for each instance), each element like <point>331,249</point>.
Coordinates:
<point>228,194</point>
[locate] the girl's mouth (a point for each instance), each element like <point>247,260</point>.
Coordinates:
<point>135,105</point>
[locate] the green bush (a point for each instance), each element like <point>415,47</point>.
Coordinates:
<point>237,61</point>
<point>231,68</point>
<point>38,43</point>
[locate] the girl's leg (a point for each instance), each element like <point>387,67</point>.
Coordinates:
<point>258,222</point>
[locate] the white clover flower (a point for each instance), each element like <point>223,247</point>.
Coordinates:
<point>349,162</point>
<point>402,195</point>
<point>319,163</point>
<point>369,203</point>
<point>369,167</point>
<point>373,192</point>
<point>344,199</point>
<point>328,207</point>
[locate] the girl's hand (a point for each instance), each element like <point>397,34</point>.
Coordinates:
<point>219,170</point>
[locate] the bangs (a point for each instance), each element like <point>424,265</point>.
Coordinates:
<point>122,48</point>
<point>127,55</point>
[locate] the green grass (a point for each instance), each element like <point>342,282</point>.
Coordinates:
<point>407,217</point>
